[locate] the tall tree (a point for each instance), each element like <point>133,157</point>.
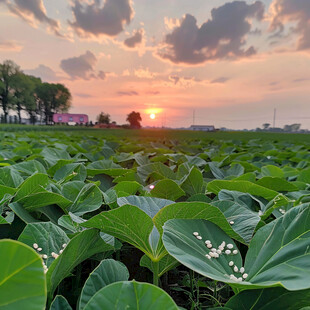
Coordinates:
<point>103,118</point>
<point>134,119</point>
<point>52,98</point>
<point>8,72</point>
<point>24,95</point>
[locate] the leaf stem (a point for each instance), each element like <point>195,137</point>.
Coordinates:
<point>155,272</point>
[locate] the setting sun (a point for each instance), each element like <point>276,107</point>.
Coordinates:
<point>152,116</point>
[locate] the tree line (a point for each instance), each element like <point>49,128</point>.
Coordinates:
<point>21,92</point>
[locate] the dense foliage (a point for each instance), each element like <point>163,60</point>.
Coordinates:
<point>19,91</point>
<point>88,221</point>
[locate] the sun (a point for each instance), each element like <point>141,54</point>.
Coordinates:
<point>152,116</point>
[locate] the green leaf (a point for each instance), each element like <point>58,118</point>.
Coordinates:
<point>278,254</point>
<point>272,298</point>
<point>42,199</point>
<point>72,172</point>
<point>22,280</point>
<point>272,171</point>
<point>159,168</point>
<point>88,199</point>
<point>245,220</point>
<point>81,247</point>
<point>107,272</point>
<point>150,205</point>
<point>241,186</point>
<point>32,185</point>
<point>304,176</point>
<point>105,166</point>
<point>127,223</point>
<point>167,189</point>
<point>131,295</point>
<point>193,183</point>
<point>277,184</point>
<point>10,177</point>
<point>6,190</point>
<point>60,303</point>
<point>180,243</point>
<point>49,237</point>
<point>128,187</point>
<point>195,210</point>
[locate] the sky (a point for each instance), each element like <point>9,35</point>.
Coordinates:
<point>204,62</point>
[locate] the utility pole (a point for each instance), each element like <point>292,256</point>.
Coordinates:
<point>274,117</point>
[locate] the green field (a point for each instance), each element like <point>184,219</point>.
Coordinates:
<point>153,219</point>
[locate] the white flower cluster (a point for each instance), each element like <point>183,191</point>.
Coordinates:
<point>227,249</point>
<point>44,256</point>
<point>237,270</point>
<point>282,211</point>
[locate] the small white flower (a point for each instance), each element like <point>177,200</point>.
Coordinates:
<point>194,233</point>
<point>231,263</point>
<point>213,250</point>
<point>236,269</point>
<point>199,237</point>
<point>64,245</point>
<point>44,256</point>
<point>221,248</point>
<point>60,252</point>
<point>39,249</point>
<point>152,186</point>
<point>245,275</point>
<point>239,279</point>
<point>235,252</point>
<point>215,255</point>
<point>241,270</point>
<point>231,222</point>
<point>209,246</point>
<point>208,256</point>
<point>218,251</point>
<point>223,243</point>
<point>35,246</point>
<point>232,277</point>
<point>211,254</point>
<point>260,213</point>
<point>230,246</point>
<point>207,242</point>
<point>227,252</point>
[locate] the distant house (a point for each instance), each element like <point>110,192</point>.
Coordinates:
<point>70,118</point>
<point>202,128</point>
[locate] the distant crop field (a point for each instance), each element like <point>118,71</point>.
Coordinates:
<point>153,219</point>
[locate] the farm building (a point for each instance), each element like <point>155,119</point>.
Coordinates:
<point>202,128</point>
<point>70,118</point>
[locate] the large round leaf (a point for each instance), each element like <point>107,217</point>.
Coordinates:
<point>107,272</point>
<point>276,298</point>
<point>180,243</point>
<point>22,280</point>
<point>131,296</point>
<point>278,255</point>
<point>49,237</point>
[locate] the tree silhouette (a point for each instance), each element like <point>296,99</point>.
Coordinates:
<point>134,119</point>
<point>104,118</point>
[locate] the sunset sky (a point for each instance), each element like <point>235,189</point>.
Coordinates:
<point>228,63</point>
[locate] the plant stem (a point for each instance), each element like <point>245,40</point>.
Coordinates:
<point>155,272</point>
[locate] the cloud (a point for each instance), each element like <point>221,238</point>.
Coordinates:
<point>172,23</point>
<point>128,93</point>
<point>33,12</point>
<point>81,95</point>
<point>136,39</point>
<point>45,73</point>
<point>82,67</point>
<point>298,11</point>
<point>10,45</point>
<point>220,80</point>
<point>96,18</point>
<point>144,73</point>
<point>221,37</point>
<point>181,81</point>
<point>301,80</point>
